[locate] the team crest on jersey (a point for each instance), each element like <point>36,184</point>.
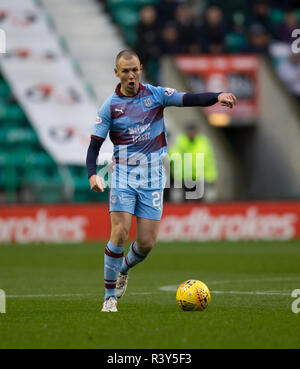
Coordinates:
<point>98,120</point>
<point>169,91</point>
<point>113,199</point>
<point>148,102</point>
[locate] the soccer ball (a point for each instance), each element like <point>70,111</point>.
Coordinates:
<point>193,295</point>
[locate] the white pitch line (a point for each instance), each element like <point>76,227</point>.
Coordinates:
<point>270,293</point>
<point>70,295</point>
<point>170,289</point>
<point>173,288</point>
<point>37,296</point>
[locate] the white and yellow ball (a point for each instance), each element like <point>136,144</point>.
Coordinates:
<point>193,295</point>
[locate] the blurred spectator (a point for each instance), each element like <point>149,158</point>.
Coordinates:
<point>170,40</point>
<point>236,38</point>
<point>290,23</point>
<point>232,8</point>
<point>194,142</point>
<point>261,15</point>
<point>289,72</point>
<point>165,10</point>
<point>286,4</point>
<point>187,29</point>
<point>148,40</point>
<point>258,40</point>
<point>212,31</point>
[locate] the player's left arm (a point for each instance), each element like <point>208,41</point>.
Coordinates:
<point>172,97</point>
<point>209,98</point>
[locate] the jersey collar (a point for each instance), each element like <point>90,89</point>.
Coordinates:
<point>119,93</point>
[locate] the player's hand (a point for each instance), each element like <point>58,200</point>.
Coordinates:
<point>227,99</point>
<point>97,183</point>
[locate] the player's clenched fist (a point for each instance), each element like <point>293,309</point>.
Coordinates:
<point>227,99</point>
<point>97,183</point>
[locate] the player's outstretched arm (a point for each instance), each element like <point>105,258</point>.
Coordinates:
<point>227,99</point>
<point>96,182</point>
<point>209,98</point>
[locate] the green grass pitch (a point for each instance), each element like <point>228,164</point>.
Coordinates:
<point>54,295</point>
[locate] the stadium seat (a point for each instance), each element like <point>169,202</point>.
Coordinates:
<point>4,89</point>
<point>126,16</point>
<point>82,190</point>
<point>13,136</point>
<point>43,178</point>
<point>277,15</point>
<point>14,112</point>
<point>8,177</point>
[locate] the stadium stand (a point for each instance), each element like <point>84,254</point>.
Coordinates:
<point>154,29</point>
<point>30,171</point>
<point>234,26</point>
<point>24,164</point>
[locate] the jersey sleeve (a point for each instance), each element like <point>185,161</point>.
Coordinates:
<point>170,96</point>
<point>103,121</point>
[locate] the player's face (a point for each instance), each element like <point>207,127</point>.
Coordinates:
<point>129,72</point>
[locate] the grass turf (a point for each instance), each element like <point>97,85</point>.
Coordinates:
<point>55,292</point>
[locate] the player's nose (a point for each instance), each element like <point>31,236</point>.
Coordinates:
<point>131,76</point>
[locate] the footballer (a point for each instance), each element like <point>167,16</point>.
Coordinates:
<point>133,116</point>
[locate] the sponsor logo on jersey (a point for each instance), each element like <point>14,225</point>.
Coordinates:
<point>169,91</point>
<point>98,120</point>
<point>119,111</point>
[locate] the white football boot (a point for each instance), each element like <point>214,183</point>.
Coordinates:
<point>110,305</point>
<point>121,286</point>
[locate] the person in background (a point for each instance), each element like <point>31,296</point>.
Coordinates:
<point>212,31</point>
<point>170,44</point>
<point>192,141</point>
<point>165,10</point>
<point>148,41</point>
<point>258,40</point>
<point>289,73</point>
<point>260,14</point>
<point>187,29</point>
<point>286,28</point>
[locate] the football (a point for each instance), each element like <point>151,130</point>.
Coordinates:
<point>193,295</point>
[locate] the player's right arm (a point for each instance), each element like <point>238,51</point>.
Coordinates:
<point>101,128</point>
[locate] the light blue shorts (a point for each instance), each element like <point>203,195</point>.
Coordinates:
<point>143,202</point>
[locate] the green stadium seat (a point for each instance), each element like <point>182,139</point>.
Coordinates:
<point>235,42</point>
<point>9,180</point>
<point>277,15</point>
<point>137,3</point>
<point>126,16</point>
<point>14,136</point>
<point>4,89</point>
<point>130,35</point>
<point>14,112</point>
<point>43,178</point>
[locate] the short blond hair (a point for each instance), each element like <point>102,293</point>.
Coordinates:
<point>126,54</point>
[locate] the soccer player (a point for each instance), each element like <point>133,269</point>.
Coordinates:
<point>133,116</point>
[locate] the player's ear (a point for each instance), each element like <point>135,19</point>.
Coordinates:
<point>116,72</point>
<point>141,67</point>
